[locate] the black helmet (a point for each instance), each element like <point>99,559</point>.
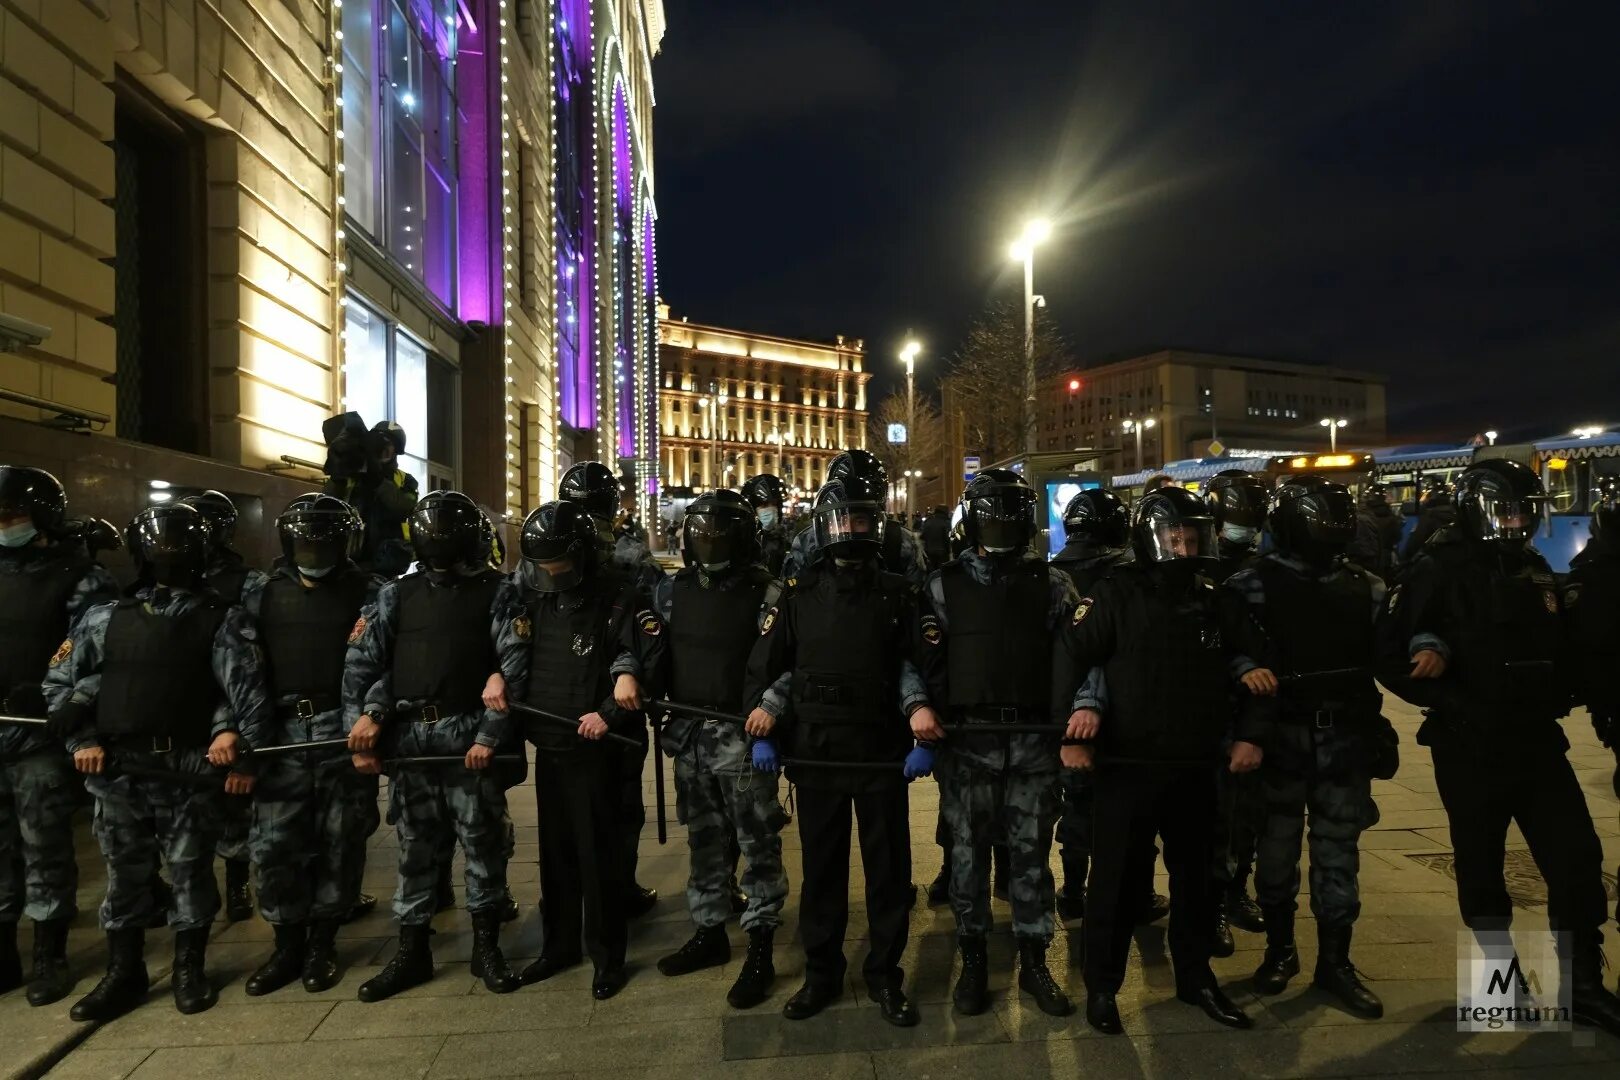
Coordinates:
<point>387,429</point>
<point>100,535</point>
<point>998,511</point>
<point>1499,500</point>
<point>448,531</point>
<point>1606,508</point>
<point>1236,498</point>
<point>1172,524</point>
<point>719,531</point>
<point>170,544</point>
<point>317,533</point>
<point>591,485</point>
<point>766,489</point>
<point>220,513</point>
<point>552,532</point>
<point>1375,494</point>
<point>1098,516</point>
<point>1312,518</point>
<point>863,464</point>
<point>848,517</point>
<point>34,493</point>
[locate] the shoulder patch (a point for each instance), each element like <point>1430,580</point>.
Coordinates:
<point>768,622</point>
<point>1081,610</point>
<point>63,651</point>
<point>359,629</point>
<point>522,628</point>
<point>649,623</point>
<point>931,633</point>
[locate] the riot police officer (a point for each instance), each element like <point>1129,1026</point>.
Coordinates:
<point>845,637</point>
<point>592,486</point>
<point>151,692</point>
<point>1303,645</point>
<point>596,648</point>
<point>1149,634</point>
<point>46,583</point>
<point>1378,532</point>
<point>712,609</point>
<point>230,577</point>
<point>310,824</point>
<point>1473,633</point>
<point>1238,501</point>
<point>427,674</point>
<point>902,552</point>
<point>767,495</point>
<point>989,627</point>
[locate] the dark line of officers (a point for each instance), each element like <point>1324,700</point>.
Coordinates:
<point>1160,682</point>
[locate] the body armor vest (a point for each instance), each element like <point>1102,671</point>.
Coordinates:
<point>1088,569</point>
<point>157,673</point>
<point>34,619</point>
<point>1509,634</point>
<point>1320,626</point>
<point>443,654</point>
<point>571,650</point>
<point>228,581</point>
<point>999,648</point>
<point>711,634</point>
<point>306,631</point>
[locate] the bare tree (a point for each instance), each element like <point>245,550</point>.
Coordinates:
<point>988,371</point>
<point>925,440</point>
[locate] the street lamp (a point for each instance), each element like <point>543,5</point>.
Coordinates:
<point>1587,432</point>
<point>908,357</point>
<point>1138,426</point>
<point>1036,232</point>
<point>1490,438</point>
<point>1333,425</point>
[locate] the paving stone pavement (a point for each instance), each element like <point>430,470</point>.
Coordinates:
<point>659,1027</point>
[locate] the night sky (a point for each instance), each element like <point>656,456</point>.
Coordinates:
<point>1426,189</point>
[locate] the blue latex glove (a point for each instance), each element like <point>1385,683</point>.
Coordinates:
<point>764,754</point>
<point>920,762</point>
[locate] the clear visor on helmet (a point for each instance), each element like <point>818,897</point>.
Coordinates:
<point>849,523</point>
<point>710,539</point>
<point>1169,541</point>
<point>1509,519</point>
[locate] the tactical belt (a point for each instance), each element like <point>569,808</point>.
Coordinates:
<point>307,708</point>
<point>146,744</point>
<point>432,712</point>
<point>998,714</point>
<point>839,695</point>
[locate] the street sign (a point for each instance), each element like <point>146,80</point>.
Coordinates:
<point>1216,448</point>
<point>897,433</point>
<point>970,467</point>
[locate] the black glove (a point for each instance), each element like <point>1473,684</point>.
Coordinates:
<point>70,718</point>
<point>26,699</point>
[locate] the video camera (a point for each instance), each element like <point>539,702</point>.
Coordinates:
<point>348,449</point>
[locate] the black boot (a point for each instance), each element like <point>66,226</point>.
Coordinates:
<point>1281,961</point>
<point>286,961</point>
<point>125,984</point>
<point>1222,944</point>
<point>51,980</point>
<point>810,999</point>
<point>758,970</point>
<point>708,947</point>
<point>550,964</point>
<point>1590,1001</point>
<point>508,908</point>
<point>639,901</point>
<point>193,993</point>
<point>1216,1005</point>
<point>411,966</point>
<point>444,893</point>
<point>1155,906</point>
<point>488,963</point>
<point>608,980</point>
<point>939,890</point>
<point>1337,975</point>
<point>1242,912</point>
<point>892,1003</point>
<point>1071,899</point>
<point>11,975</point>
<point>1034,979</point>
<point>1102,1012</point>
<point>238,904</point>
<point>320,970</point>
<point>972,995</point>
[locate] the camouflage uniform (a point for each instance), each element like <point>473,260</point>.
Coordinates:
<point>137,819</point>
<point>236,584</point>
<point>1307,768</point>
<point>989,784</point>
<point>311,819</point>
<point>720,796</point>
<point>424,801</point>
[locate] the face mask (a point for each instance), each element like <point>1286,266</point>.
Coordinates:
<point>767,517</point>
<point>1242,535</point>
<point>16,536</point>
<point>315,573</point>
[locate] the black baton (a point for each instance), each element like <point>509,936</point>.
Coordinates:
<point>541,714</point>
<point>658,781</point>
<point>698,710</point>
<point>849,766</point>
<point>288,749</point>
<point>1005,729</point>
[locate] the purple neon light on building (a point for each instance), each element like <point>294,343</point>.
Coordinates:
<point>576,216</point>
<point>625,278</point>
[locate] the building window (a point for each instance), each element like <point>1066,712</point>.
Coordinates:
<point>399,125</point>
<point>389,375</point>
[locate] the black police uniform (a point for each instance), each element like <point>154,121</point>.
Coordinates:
<point>1592,608</point>
<point>1169,708</point>
<point>773,548</point>
<point>844,633</point>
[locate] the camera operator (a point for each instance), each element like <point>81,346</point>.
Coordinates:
<point>363,470</point>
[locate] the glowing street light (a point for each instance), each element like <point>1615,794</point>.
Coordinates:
<point>1587,432</point>
<point>1333,425</point>
<point>908,357</point>
<point>1490,438</point>
<point>1139,426</point>
<point>1036,232</point>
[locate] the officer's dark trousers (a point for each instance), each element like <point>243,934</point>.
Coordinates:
<point>632,808</point>
<point>579,795</point>
<point>1131,804</point>
<point>885,832</point>
<point>1533,786</point>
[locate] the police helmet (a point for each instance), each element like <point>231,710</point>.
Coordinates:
<point>862,464</point>
<point>1374,494</point>
<point>1099,517</point>
<point>220,513</point>
<point>387,429</point>
<point>848,517</point>
<point>1236,498</point>
<point>1312,518</point>
<point>591,485</point>
<point>766,489</point>
<point>1500,501</point>
<point>100,535</point>
<point>998,511</point>
<point>316,533</point>
<point>170,544</point>
<point>34,494</point>
<point>1172,524</point>
<point>448,531</point>
<point>1606,509</point>
<point>719,530</point>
